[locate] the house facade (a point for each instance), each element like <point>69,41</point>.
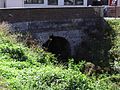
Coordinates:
<point>52,3</point>
<point>41,3</point>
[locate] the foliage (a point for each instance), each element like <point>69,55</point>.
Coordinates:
<point>23,68</point>
<point>77,67</point>
<point>96,46</point>
<point>115,50</point>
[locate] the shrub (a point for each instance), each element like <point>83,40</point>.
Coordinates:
<point>115,50</point>
<point>50,77</point>
<point>17,53</point>
<point>23,68</point>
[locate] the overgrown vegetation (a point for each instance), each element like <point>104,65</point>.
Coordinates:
<point>23,68</point>
<point>95,48</point>
<point>115,50</point>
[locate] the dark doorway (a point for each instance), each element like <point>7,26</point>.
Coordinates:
<point>58,46</point>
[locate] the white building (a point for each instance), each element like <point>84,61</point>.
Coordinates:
<point>49,3</point>
<point>41,3</point>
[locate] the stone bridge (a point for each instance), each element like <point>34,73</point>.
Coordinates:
<point>66,26</point>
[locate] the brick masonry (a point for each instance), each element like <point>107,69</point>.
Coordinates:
<point>69,23</point>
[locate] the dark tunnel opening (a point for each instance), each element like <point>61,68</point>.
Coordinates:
<point>58,46</point>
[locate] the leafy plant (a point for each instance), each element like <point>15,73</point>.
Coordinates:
<point>23,68</point>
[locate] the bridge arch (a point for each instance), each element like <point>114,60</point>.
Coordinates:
<point>58,46</point>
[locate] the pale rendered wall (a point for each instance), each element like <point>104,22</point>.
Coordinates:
<point>1,3</point>
<point>118,2</point>
<point>14,3</point>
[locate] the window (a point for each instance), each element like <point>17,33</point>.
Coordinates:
<point>34,1</point>
<point>105,2</point>
<point>78,2</point>
<point>73,2</point>
<point>99,2</point>
<point>52,2</point>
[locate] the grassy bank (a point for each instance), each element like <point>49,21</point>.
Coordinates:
<point>23,68</point>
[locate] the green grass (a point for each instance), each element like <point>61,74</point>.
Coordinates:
<point>23,68</point>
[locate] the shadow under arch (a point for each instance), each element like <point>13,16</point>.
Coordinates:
<point>58,46</point>
<point>97,47</point>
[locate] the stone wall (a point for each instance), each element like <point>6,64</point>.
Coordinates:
<point>70,23</point>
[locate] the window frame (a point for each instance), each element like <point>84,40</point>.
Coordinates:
<point>53,4</point>
<point>74,3</point>
<point>33,2</point>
